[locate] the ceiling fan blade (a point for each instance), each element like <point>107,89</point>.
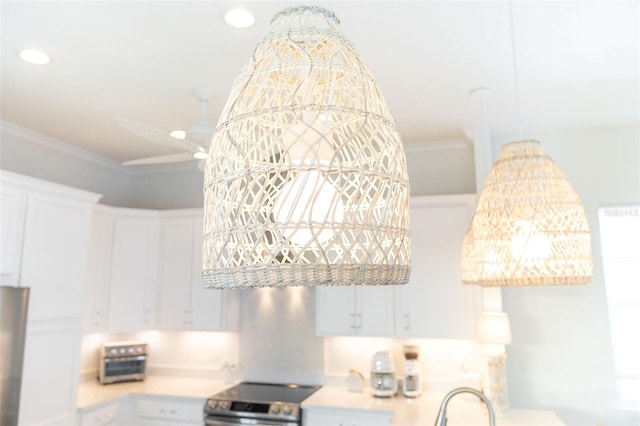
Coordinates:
<point>161,159</point>
<point>157,136</point>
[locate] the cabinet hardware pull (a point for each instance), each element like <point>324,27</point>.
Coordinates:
<point>407,322</point>
<point>353,324</point>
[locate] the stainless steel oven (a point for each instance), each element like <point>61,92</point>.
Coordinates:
<point>257,404</point>
<point>122,362</point>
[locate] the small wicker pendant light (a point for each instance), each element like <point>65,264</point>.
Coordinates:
<point>529,227</point>
<point>306,181</point>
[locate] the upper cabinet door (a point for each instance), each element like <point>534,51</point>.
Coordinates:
<point>336,311</point>
<point>99,271</point>
<point>173,304</point>
<point>211,309</point>
<point>183,303</point>
<point>54,256</point>
<point>435,303</point>
<point>13,206</point>
<point>375,311</point>
<point>133,271</point>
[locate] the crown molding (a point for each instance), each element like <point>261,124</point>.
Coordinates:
<point>56,145</point>
<point>14,130</point>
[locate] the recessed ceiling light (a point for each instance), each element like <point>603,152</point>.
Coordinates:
<point>239,18</point>
<point>34,56</point>
<point>200,155</point>
<point>178,134</point>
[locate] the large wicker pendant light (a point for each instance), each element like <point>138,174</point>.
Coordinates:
<point>306,181</point>
<point>529,227</point>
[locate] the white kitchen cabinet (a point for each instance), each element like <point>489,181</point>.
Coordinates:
<point>13,205</point>
<point>132,271</point>
<point>108,414</point>
<point>435,303</point>
<point>54,248</point>
<point>345,417</point>
<point>168,411</point>
<point>354,311</point>
<point>122,270</point>
<point>183,303</point>
<point>98,270</point>
<point>45,229</point>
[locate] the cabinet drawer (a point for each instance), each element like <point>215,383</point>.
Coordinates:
<point>101,416</point>
<point>169,410</point>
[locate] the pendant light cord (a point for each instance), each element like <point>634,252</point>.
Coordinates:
<point>515,70</point>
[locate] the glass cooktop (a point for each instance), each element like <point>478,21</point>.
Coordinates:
<point>267,392</point>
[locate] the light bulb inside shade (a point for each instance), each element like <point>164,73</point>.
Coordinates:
<point>305,204</point>
<point>529,243</point>
<point>307,142</point>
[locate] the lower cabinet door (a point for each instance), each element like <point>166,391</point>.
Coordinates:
<point>346,418</point>
<point>168,411</point>
<point>102,416</point>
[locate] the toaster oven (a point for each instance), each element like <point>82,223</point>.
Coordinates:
<point>122,362</point>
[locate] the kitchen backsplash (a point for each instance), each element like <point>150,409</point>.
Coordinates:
<point>185,353</point>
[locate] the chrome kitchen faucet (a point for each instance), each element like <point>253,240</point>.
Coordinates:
<point>442,415</point>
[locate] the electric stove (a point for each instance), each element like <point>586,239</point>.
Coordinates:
<point>256,403</point>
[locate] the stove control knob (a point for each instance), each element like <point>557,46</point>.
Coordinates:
<point>213,405</point>
<point>113,351</point>
<point>275,410</point>
<point>287,410</point>
<point>123,351</point>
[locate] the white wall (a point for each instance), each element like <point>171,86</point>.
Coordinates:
<point>440,168</point>
<point>32,154</point>
<point>561,354</point>
<point>147,187</point>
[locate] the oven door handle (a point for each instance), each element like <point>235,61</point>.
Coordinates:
<point>126,358</point>
<point>233,421</point>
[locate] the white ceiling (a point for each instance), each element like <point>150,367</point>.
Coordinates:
<point>577,62</point>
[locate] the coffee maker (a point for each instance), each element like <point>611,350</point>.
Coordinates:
<point>383,375</point>
<point>411,381</point>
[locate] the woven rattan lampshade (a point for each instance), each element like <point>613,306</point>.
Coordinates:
<point>306,181</point>
<point>529,227</point>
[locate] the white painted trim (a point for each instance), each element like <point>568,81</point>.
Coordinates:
<point>86,155</point>
<point>59,146</point>
<point>187,213</point>
<point>29,183</point>
<point>127,211</point>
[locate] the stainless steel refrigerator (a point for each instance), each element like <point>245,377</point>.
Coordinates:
<point>14,303</point>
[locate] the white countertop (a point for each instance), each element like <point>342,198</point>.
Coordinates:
<point>92,393</point>
<point>462,409</point>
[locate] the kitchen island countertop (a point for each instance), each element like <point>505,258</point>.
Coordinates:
<point>462,409</point>
<point>423,410</point>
